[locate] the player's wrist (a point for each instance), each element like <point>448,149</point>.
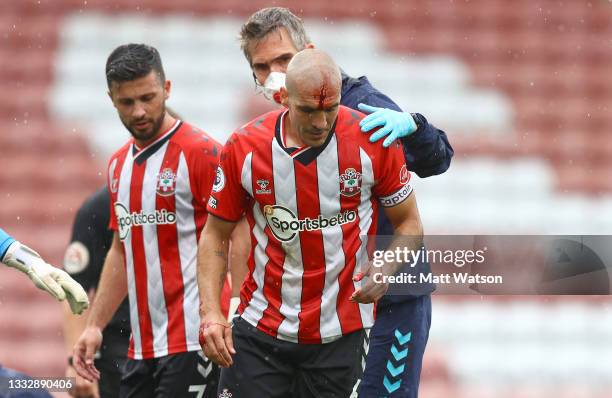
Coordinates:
<point>94,329</point>
<point>211,310</point>
<point>23,258</point>
<point>213,316</point>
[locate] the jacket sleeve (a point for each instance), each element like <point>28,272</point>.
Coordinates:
<point>427,150</point>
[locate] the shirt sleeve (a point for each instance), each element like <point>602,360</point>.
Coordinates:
<point>112,222</point>
<point>228,199</point>
<point>202,168</point>
<point>5,241</point>
<point>392,176</point>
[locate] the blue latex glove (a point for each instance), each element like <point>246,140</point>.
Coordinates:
<point>396,124</point>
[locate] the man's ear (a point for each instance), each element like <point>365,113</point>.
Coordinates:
<point>167,88</point>
<point>310,45</point>
<point>110,95</point>
<point>284,97</point>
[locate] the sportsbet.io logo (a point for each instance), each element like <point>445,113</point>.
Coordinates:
<point>285,225</point>
<point>126,221</point>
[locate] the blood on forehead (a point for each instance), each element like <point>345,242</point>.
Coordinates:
<point>322,96</point>
<point>324,92</point>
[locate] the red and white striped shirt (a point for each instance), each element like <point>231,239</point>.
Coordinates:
<point>310,211</point>
<point>158,208</point>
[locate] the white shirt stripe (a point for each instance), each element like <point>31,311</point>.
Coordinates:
<point>111,172</point>
<point>123,196</point>
<point>246,175</point>
<point>155,286</point>
<point>328,176</point>
<point>365,212</point>
<point>187,242</point>
<point>258,304</point>
<point>293,268</point>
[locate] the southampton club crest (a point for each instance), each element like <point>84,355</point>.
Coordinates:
<point>166,182</point>
<point>263,187</point>
<point>350,182</point>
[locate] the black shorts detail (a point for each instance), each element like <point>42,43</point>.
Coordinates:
<point>111,370</point>
<point>184,375</point>
<point>267,367</point>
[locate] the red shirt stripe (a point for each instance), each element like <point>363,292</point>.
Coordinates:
<point>140,266</point>
<point>170,260</point>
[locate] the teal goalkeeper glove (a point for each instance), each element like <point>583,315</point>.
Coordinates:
<point>47,277</point>
<point>396,124</point>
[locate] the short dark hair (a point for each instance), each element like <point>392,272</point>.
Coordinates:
<point>267,20</point>
<point>133,61</point>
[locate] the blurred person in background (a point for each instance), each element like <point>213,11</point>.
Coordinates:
<point>46,277</point>
<point>159,183</point>
<point>83,260</point>
<point>269,39</point>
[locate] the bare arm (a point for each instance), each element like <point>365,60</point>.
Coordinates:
<point>408,234</point>
<point>73,327</point>
<point>213,249</point>
<point>112,290</point>
<point>216,335</point>
<point>408,229</point>
<point>239,255</point>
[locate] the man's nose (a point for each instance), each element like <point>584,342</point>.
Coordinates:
<point>278,67</point>
<point>319,120</point>
<point>139,111</point>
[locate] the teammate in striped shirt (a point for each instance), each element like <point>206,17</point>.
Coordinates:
<point>159,183</point>
<point>269,39</point>
<point>310,183</point>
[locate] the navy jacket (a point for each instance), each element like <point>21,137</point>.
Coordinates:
<point>427,153</point>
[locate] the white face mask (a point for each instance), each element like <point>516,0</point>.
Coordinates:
<point>272,85</point>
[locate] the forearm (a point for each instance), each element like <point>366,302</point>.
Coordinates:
<point>239,254</point>
<point>112,288</point>
<point>408,237</point>
<point>212,270</point>
<point>238,273</point>
<point>73,327</point>
<point>408,232</point>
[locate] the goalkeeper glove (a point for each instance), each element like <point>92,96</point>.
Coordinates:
<point>396,124</point>
<point>47,277</point>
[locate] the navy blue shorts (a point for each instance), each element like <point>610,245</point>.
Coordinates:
<point>397,344</point>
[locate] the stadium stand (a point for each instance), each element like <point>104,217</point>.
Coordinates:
<point>523,89</point>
